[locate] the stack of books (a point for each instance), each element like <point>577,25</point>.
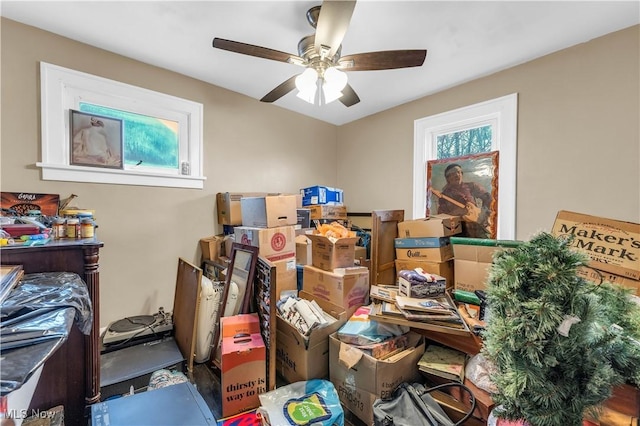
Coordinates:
<point>435,311</point>
<point>443,362</point>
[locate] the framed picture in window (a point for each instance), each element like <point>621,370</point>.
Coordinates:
<point>467,187</point>
<point>96,141</point>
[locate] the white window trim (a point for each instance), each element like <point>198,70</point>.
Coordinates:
<point>63,89</point>
<point>503,112</point>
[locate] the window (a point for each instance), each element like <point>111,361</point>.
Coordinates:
<point>483,127</point>
<point>162,134</point>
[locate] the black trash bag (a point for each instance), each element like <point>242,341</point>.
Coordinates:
<point>50,290</point>
<point>36,319</point>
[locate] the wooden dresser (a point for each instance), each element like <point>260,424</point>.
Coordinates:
<point>71,376</point>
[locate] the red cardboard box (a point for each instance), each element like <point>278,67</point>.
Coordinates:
<point>273,243</point>
<point>242,363</point>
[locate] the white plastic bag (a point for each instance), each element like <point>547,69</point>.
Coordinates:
<point>479,370</point>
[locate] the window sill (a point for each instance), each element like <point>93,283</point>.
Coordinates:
<point>117,176</point>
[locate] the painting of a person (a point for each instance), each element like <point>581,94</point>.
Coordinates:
<point>91,145</point>
<point>468,200</point>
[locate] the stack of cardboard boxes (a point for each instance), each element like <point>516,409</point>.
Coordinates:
<point>324,203</point>
<point>425,243</point>
<point>262,220</point>
<point>268,223</point>
<point>433,244</point>
<point>217,248</point>
<point>329,277</point>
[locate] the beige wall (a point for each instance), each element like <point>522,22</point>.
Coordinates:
<point>248,146</point>
<point>578,136</point>
<point>578,149</point>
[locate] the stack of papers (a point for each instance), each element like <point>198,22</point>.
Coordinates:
<point>440,311</point>
<point>303,314</point>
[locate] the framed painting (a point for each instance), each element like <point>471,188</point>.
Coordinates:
<point>467,187</point>
<point>96,140</point>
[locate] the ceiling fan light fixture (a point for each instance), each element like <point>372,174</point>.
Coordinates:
<point>335,79</point>
<point>321,53</point>
<point>330,93</point>
<point>306,83</point>
<point>308,95</point>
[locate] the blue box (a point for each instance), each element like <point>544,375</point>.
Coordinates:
<point>321,195</point>
<point>426,242</point>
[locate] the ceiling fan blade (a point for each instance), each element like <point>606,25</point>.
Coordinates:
<point>251,50</point>
<point>332,25</point>
<point>349,96</point>
<point>281,90</point>
<point>385,60</point>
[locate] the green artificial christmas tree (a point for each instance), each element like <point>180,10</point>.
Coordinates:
<point>559,343</point>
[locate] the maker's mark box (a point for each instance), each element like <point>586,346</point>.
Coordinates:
<point>612,245</point>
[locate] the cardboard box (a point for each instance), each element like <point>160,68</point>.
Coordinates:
<point>440,225</point>
<point>472,263</point>
<point>229,207</point>
<point>360,379</point>
<point>435,288</point>
<point>269,211</point>
<point>242,363</point>
<point>437,254</point>
<point>612,245</point>
<point>330,253</point>
<point>321,195</point>
<point>421,242</point>
<point>598,277</point>
<point>345,287</point>
<point>286,275</point>
<point>212,247</point>
<point>300,359</point>
<point>273,243</point>
<point>360,252</point>
<point>303,218</point>
<point>444,269</point>
<point>303,250</point>
<point>23,202</point>
<point>475,253</point>
<point>470,275</point>
<point>328,212</point>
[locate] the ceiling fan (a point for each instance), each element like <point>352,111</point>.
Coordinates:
<point>323,80</point>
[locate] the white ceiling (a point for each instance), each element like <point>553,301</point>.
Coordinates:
<point>464,40</point>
